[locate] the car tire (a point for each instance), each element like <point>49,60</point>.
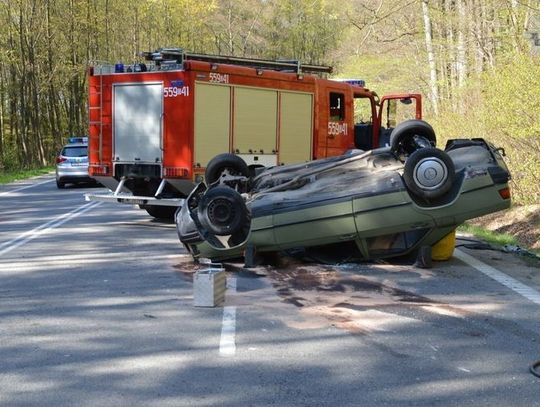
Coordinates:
<point>429,173</point>
<point>224,164</point>
<point>161,212</point>
<point>60,185</point>
<point>222,211</point>
<point>402,137</point>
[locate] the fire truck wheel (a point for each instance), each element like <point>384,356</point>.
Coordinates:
<point>429,173</point>
<point>161,212</point>
<point>222,211</point>
<point>225,164</point>
<point>402,139</point>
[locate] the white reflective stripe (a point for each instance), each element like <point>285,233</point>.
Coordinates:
<point>25,187</point>
<point>6,247</point>
<point>515,285</point>
<point>227,343</point>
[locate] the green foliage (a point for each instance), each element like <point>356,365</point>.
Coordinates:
<point>382,73</point>
<point>306,30</point>
<point>502,107</point>
<point>47,46</point>
<point>511,95</point>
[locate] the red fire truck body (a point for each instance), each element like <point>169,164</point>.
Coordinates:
<point>152,130</point>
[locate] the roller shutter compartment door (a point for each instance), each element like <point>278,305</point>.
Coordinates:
<point>212,121</point>
<point>255,120</point>
<point>295,135</point>
<point>138,113</point>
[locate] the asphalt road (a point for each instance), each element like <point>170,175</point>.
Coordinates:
<point>96,309</point>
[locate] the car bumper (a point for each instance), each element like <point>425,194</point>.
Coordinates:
<point>73,174</point>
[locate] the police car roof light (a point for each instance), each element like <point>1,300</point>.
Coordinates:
<point>73,140</point>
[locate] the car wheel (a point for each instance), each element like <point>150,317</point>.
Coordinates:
<point>60,185</point>
<point>222,211</point>
<point>407,135</point>
<point>161,212</point>
<point>429,173</point>
<point>225,164</point>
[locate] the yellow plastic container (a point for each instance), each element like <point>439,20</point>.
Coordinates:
<point>444,248</point>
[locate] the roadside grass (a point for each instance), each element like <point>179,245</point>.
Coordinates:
<point>499,239</point>
<point>10,176</point>
<point>492,238</point>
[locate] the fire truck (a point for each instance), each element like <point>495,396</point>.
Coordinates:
<point>155,125</point>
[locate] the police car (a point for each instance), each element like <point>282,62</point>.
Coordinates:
<point>72,163</point>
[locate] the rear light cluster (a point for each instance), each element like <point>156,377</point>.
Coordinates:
<point>94,170</point>
<point>175,172</point>
<point>505,193</point>
<point>60,159</point>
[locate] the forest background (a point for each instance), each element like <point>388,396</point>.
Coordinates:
<point>477,62</point>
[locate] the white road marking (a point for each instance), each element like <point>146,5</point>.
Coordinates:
<point>6,247</point>
<point>26,187</point>
<point>43,264</point>
<point>515,285</point>
<point>227,343</point>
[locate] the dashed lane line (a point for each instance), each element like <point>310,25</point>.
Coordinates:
<point>25,237</point>
<point>525,291</point>
<point>227,343</point>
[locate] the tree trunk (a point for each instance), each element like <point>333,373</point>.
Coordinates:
<point>478,30</point>
<point>2,124</point>
<point>450,72</point>
<point>23,113</point>
<point>461,60</point>
<point>515,26</point>
<point>434,94</point>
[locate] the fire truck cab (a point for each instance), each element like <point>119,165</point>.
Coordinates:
<point>154,126</point>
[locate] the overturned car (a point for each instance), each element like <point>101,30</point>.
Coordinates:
<point>371,204</point>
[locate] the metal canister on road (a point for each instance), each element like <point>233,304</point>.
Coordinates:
<point>209,286</point>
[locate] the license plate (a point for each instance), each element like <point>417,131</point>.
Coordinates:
<point>133,201</point>
<point>77,163</point>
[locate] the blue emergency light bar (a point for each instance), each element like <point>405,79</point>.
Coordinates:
<point>73,140</point>
<point>355,82</point>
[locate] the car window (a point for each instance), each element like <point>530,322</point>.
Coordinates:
<point>75,151</point>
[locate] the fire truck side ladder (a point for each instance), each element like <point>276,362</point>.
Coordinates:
<point>99,121</point>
